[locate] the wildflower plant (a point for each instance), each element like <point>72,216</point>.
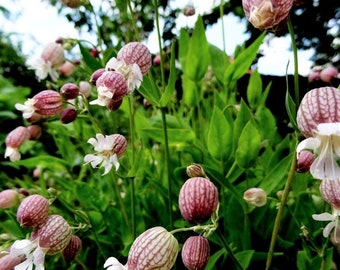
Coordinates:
<point>131,163</point>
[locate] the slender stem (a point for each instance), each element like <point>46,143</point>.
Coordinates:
<point>133,20</point>
<point>221,17</point>
<point>280,211</point>
<point>296,66</point>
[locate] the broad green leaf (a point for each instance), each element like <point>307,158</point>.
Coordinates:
<point>219,61</point>
<point>254,90</point>
<point>219,136</point>
<point>243,61</point>
<point>267,123</point>
<point>190,91</point>
<point>244,257</point>
<point>213,259</point>
<point>248,146</point>
<point>149,90</point>
<point>91,62</point>
<point>43,161</point>
<point>170,88</point>
<point>243,116</point>
<point>198,53</point>
<point>183,46</point>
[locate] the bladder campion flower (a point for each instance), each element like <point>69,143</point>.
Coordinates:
<point>14,140</point>
<point>195,252</point>
<point>255,196</point>
<point>108,149</point>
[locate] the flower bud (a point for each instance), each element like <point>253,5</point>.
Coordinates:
<point>136,52</point>
<point>156,248</point>
<point>267,14</point>
<point>8,198</point>
<point>189,10</point>
<point>72,3</point>
<point>195,170</point>
<point>35,131</point>
<point>32,211</point>
<point>72,249</point>
<point>157,60</point>
<point>95,75</point>
<point>319,105</point>
<point>67,68</point>
<point>255,196</point>
<point>114,105</point>
<point>14,140</point>
<point>69,91</point>
<point>48,103</point>
<point>53,53</point>
<point>54,234</point>
<point>198,199</point>
<point>68,115</point>
<point>314,75</point>
<point>85,88</point>
<point>120,144</point>
<point>195,253</point>
<point>8,262</point>
<point>330,191</point>
<point>304,161</point>
<point>328,74</point>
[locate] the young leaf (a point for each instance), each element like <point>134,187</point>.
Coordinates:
<point>254,90</point>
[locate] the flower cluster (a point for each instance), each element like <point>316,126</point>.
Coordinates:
<point>51,234</point>
<point>326,74</point>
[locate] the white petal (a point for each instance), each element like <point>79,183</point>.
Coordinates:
<point>39,258</point>
<point>325,167</point>
<point>329,128</point>
<point>309,143</point>
<point>113,264</point>
<point>25,265</point>
<point>12,153</point>
<point>327,230</point>
<point>114,160</point>
<point>92,141</point>
<point>107,165</point>
<point>20,247</point>
<point>323,217</point>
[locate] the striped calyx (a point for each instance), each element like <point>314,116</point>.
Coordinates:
<point>48,103</point>
<point>330,191</point>
<point>320,105</point>
<point>198,199</point>
<point>136,53</point>
<point>195,253</point>
<point>72,249</point>
<point>155,248</point>
<point>114,83</point>
<point>32,211</point>
<point>54,234</point>
<point>17,137</point>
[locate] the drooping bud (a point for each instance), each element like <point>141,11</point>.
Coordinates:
<point>330,191</point>
<point>69,91</point>
<point>35,131</point>
<point>114,105</point>
<point>195,253</point>
<point>48,103</point>
<point>304,161</point>
<point>319,105</point>
<point>8,198</point>
<point>85,88</point>
<point>195,170</point>
<point>156,248</point>
<point>68,115</point>
<point>54,234</point>
<point>53,53</point>
<point>96,74</point>
<point>120,144</point>
<point>136,53</point>
<point>14,140</point>
<point>32,211</point>
<point>8,262</point>
<point>267,14</point>
<point>328,74</point>
<point>67,68</point>
<point>72,249</point>
<point>198,199</point>
<point>255,196</point>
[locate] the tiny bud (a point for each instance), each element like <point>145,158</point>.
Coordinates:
<point>67,68</point>
<point>54,234</point>
<point>95,75</point>
<point>189,10</point>
<point>314,75</point>
<point>9,198</point>
<point>85,88</point>
<point>195,253</point>
<point>68,115</point>
<point>328,74</point>
<point>24,192</point>
<point>198,199</point>
<point>195,170</point>
<point>32,211</point>
<point>255,196</point>
<point>72,249</point>
<point>35,131</point>
<point>305,160</point>
<point>155,248</point>
<point>69,91</point>
<point>279,194</point>
<point>94,52</point>
<point>157,60</point>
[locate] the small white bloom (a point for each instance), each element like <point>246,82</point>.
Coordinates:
<point>131,73</point>
<point>104,96</point>
<point>105,156</point>
<point>326,144</point>
<point>27,108</point>
<point>43,69</point>
<point>12,153</point>
<point>113,264</point>
<point>333,218</point>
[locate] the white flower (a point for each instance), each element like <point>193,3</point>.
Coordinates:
<point>131,73</point>
<point>43,69</point>
<point>12,153</point>
<point>105,95</point>
<point>333,218</point>
<point>35,255</point>
<point>113,264</point>
<point>326,144</point>
<point>106,157</point>
<point>27,108</point>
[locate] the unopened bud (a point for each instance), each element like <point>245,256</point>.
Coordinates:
<point>48,103</point>
<point>85,88</point>
<point>328,74</point>
<point>255,196</point>
<point>304,161</point>
<point>67,68</point>
<point>68,115</point>
<point>9,198</point>
<point>8,262</point>
<point>189,10</point>
<point>114,105</point>
<point>195,253</point>
<point>69,91</point>
<point>195,170</point>
<point>14,140</point>
<point>95,75</point>
<point>72,249</point>
<point>35,131</point>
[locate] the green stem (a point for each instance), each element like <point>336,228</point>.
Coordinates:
<point>280,211</point>
<point>221,17</point>
<point>133,20</point>
<point>296,66</point>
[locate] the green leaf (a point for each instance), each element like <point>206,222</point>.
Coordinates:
<point>198,53</point>
<point>291,109</point>
<point>243,116</point>
<point>41,160</point>
<point>219,62</point>
<point>248,146</point>
<point>149,90</point>
<point>190,91</point>
<point>254,90</point>
<point>219,136</point>
<point>243,61</point>
<point>244,257</point>
<point>183,46</point>
<point>91,62</point>
<point>213,259</point>
<point>166,96</point>
<point>176,136</point>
